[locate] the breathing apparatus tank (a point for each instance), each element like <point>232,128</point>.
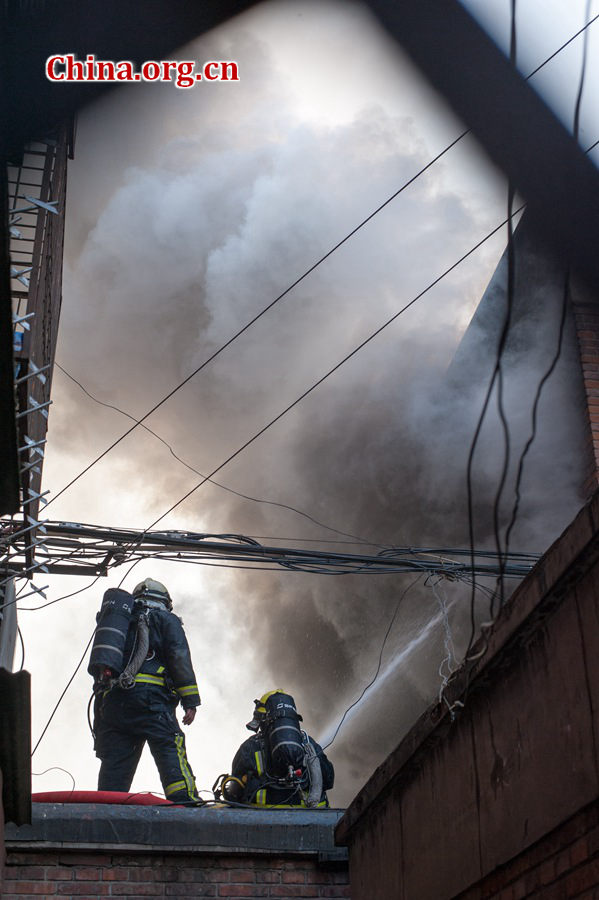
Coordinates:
<point>283,735</point>
<point>111,632</point>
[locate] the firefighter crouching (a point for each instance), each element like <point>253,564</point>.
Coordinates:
<point>142,670</point>
<point>281,765</point>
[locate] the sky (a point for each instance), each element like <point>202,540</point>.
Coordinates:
<point>189,211</point>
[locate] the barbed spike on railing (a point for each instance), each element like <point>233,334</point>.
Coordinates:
<point>38,545</point>
<point>35,590</point>
<point>34,495</point>
<point>39,567</point>
<point>21,275</point>
<point>22,320</point>
<point>37,204</point>
<point>34,373</point>
<point>31,466</point>
<point>36,523</point>
<point>49,205</point>
<point>35,407</point>
<point>30,444</point>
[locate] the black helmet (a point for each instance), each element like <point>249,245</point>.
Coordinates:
<point>260,709</point>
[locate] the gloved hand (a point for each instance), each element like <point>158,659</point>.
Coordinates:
<point>189,716</point>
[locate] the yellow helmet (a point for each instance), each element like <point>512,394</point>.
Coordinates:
<point>154,590</point>
<point>260,709</point>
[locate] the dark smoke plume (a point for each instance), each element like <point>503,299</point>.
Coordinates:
<point>179,233</point>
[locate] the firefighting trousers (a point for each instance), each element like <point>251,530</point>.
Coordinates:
<point>124,721</point>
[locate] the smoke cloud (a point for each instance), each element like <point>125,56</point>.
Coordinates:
<point>187,215</point>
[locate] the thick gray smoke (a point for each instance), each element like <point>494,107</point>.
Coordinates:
<point>187,218</point>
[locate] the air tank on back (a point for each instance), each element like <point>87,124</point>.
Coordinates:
<point>111,632</point>
<point>283,734</point>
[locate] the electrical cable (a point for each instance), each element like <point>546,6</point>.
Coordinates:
<point>89,721</point>
<point>55,560</point>
<point>298,540</point>
<point>260,314</point>
<point>328,374</point>
<point>224,487</point>
<point>496,377</point>
<point>60,699</point>
<point>58,599</point>
<point>129,570</point>
<point>107,551</point>
<point>66,596</point>
<point>22,588</point>
<point>565,303</point>
<point>583,68</point>
<point>357,540</point>
<point>78,666</point>
<point>534,414</point>
<point>511,276</point>
<point>513,51</point>
<point>379,664</point>
<point>511,281</point>
<point>296,282</point>
<point>55,769</point>
<point>20,669</point>
<point>564,45</point>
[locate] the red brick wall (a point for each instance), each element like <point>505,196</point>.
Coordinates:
<point>85,875</point>
<point>564,864</point>
<point>586,317</point>
<point>503,799</point>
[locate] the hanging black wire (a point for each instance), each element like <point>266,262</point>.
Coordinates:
<point>379,664</point>
<point>563,317</point>
<point>301,278</point>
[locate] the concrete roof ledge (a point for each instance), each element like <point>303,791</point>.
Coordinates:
<point>88,826</point>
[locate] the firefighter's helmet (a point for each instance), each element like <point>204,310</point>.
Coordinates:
<point>260,709</point>
<point>153,590</point>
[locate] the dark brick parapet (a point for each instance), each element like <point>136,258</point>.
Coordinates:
<point>97,850</point>
<point>465,796</point>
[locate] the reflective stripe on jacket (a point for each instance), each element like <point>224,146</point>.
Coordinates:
<point>168,664</point>
<point>251,761</point>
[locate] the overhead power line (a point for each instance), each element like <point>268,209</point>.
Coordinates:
<point>259,315</point>
<point>366,687</point>
<point>331,371</point>
<point>322,259</point>
<point>94,549</point>
<point>563,46</point>
<point>217,484</point>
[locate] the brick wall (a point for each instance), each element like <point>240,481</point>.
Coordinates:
<point>586,317</point>
<point>500,801</point>
<point>564,864</point>
<point>84,875</point>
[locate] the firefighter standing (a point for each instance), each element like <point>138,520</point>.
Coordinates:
<point>280,765</point>
<point>136,703</point>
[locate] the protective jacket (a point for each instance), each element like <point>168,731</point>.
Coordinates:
<point>167,667</point>
<point>251,766</point>
<point>126,718</point>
